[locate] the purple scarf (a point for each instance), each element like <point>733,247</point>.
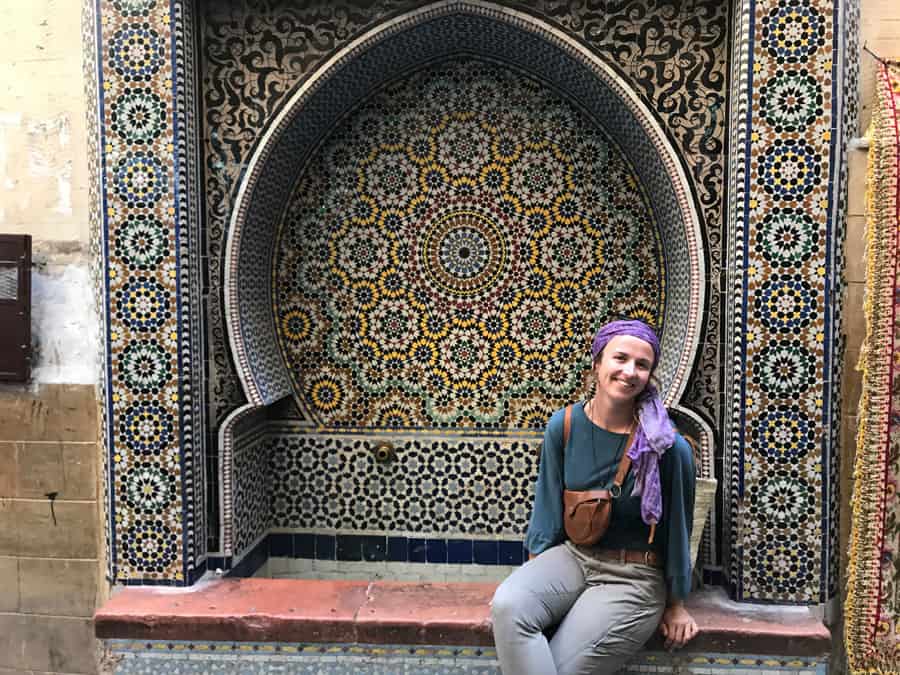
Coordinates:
<point>654,434</point>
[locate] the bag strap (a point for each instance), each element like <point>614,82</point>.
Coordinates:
<point>624,463</point>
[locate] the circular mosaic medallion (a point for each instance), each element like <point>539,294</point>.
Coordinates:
<point>139,179</point>
<point>148,488</point>
<point>138,116</point>
<point>150,546</point>
<point>786,303</point>
<point>793,31</point>
<point>144,366</point>
<point>296,324</point>
<point>785,435</point>
<point>136,52</point>
<point>147,428</point>
<point>451,248</point>
<point>783,500</point>
<point>784,565</point>
<point>463,253</point>
<point>143,304</point>
<point>789,169</point>
<point>787,237</point>
<point>141,242</point>
<point>791,100</point>
<point>785,369</point>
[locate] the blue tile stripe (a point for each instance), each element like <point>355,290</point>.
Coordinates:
<point>373,548</point>
<point>379,548</point>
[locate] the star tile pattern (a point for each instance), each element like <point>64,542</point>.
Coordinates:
<point>145,267</point>
<point>247,82</point>
<point>450,250</point>
<point>441,487</point>
<point>782,419</point>
<point>778,430</point>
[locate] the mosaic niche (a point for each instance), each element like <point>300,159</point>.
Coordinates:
<point>430,35</point>
<point>246,81</point>
<point>450,250</point>
<point>780,237</point>
<point>345,207</point>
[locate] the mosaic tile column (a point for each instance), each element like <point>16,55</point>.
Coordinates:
<point>785,170</point>
<point>144,240</point>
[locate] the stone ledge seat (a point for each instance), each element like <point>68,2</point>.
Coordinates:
<point>313,611</point>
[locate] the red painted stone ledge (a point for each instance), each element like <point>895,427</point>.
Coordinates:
<point>295,610</point>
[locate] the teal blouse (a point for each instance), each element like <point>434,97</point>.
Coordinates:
<point>590,461</point>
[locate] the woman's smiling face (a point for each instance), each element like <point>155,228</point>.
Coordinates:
<point>624,368</point>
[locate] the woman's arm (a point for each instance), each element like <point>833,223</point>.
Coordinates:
<point>546,526</point>
<point>678,475</point>
<point>678,483</point>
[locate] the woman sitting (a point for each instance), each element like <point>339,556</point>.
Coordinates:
<point>606,598</point>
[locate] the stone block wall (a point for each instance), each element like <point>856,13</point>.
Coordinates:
<point>49,547</point>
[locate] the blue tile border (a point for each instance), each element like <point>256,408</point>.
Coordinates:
<point>510,552</point>
<point>326,547</point>
<point>304,546</point>
<point>374,548</point>
<point>396,549</point>
<point>370,548</point>
<point>281,545</point>
<point>349,547</point>
<point>486,552</point>
<point>436,550</point>
<point>459,551</point>
<point>416,550</point>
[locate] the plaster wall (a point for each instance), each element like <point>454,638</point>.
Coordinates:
<point>44,180</point>
<point>50,549</point>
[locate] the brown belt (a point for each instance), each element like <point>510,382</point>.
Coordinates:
<point>623,556</point>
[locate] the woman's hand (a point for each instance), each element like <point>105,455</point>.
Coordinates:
<point>677,626</point>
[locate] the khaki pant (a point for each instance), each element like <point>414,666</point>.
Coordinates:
<point>605,612</point>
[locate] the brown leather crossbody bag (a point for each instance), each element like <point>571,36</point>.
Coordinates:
<point>586,513</point>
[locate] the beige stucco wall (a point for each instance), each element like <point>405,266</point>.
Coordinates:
<point>50,553</point>
<point>43,173</point>
<point>44,179</point>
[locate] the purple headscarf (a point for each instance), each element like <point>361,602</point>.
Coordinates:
<point>654,433</point>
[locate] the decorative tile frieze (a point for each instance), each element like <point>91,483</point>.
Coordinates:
<point>782,242</point>
<point>782,219</point>
<point>149,277</point>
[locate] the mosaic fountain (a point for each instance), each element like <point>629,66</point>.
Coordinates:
<point>325,229</point>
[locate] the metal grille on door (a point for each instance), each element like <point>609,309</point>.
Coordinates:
<point>15,307</point>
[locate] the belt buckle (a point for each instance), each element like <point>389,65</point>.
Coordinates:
<point>622,556</point>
